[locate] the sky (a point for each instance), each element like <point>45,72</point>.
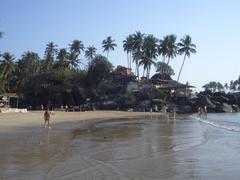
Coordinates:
<point>28,25</point>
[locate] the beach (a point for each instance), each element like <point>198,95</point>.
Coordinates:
<point>119,145</point>
<point>35,118</point>
<point>22,136</point>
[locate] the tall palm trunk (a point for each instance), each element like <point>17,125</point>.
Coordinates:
<point>137,69</point>
<point>181,67</point>
<point>163,59</point>
<point>130,59</point>
<point>168,61</point>
<point>148,72</point>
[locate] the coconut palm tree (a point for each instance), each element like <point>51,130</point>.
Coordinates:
<point>62,58</point>
<point>108,45</point>
<point>75,50</point>
<point>149,53</point>
<point>7,67</point>
<point>137,49</point>
<point>50,52</point>
<point>76,47</point>
<point>27,66</point>
<point>128,47</point>
<point>172,48</point>
<point>187,48</point>
<point>90,53</point>
<point>163,48</point>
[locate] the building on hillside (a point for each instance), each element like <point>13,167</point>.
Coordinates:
<point>176,89</point>
<point>121,70</point>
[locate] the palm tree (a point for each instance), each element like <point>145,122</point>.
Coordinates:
<point>137,49</point>
<point>172,48</point>
<point>163,47</point>
<point>30,62</point>
<point>62,57</point>
<point>50,52</point>
<point>128,47</point>
<point>108,45</point>
<point>186,47</point>
<point>75,50</point>
<point>27,66</point>
<point>149,53</point>
<point>90,52</point>
<point>76,47</point>
<point>7,67</point>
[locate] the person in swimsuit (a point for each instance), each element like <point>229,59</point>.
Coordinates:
<point>47,116</point>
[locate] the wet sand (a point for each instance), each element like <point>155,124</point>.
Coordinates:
<point>146,147</point>
<point>28,150</point>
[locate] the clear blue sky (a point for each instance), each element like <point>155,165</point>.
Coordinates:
<point>213,25</point>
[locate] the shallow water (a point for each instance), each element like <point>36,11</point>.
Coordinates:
<point>189,147</point>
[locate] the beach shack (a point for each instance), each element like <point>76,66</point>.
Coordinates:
<point>5,99</point>
<point>176,88</point>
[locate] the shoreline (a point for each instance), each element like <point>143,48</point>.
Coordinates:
<point>11,121</point>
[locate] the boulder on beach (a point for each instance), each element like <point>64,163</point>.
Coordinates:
<point>224,107</point>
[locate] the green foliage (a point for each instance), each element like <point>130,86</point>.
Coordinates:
<point>164,69</point>
<point>98,70</point>
<point>108,87</point>
<point>126,100</point>
<point>213,86</point>
<point>158,94</point>
<point>187,48</point>
<point>57,78</point>
<point>108,45</point>
<point>235,85</point>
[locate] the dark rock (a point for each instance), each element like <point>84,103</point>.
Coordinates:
<point>235,108</point>
<point>221,99</point>
<point>219,94</point>
<point>237,96</point>
<point>224,107</point>
<point>216,103</point>
<point>164,109</point>
<point>232,99</point>
<point>204,100</point>
<point>207,92</point>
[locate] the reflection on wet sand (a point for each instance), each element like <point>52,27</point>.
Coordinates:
<point>147,148</point>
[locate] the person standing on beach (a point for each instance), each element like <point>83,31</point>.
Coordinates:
<point>47,116</point>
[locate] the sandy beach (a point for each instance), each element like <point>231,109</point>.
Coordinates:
<point>119,145</point>
<point>10,121</point>
<point>26,145</point>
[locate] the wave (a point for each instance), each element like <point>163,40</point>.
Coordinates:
<point>227,125</point>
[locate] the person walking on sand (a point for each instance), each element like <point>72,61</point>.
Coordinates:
<point>47,116</point>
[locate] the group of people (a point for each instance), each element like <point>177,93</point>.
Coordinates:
<point>202,110</point>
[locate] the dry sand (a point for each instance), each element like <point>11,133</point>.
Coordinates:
<point>10,121</point>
